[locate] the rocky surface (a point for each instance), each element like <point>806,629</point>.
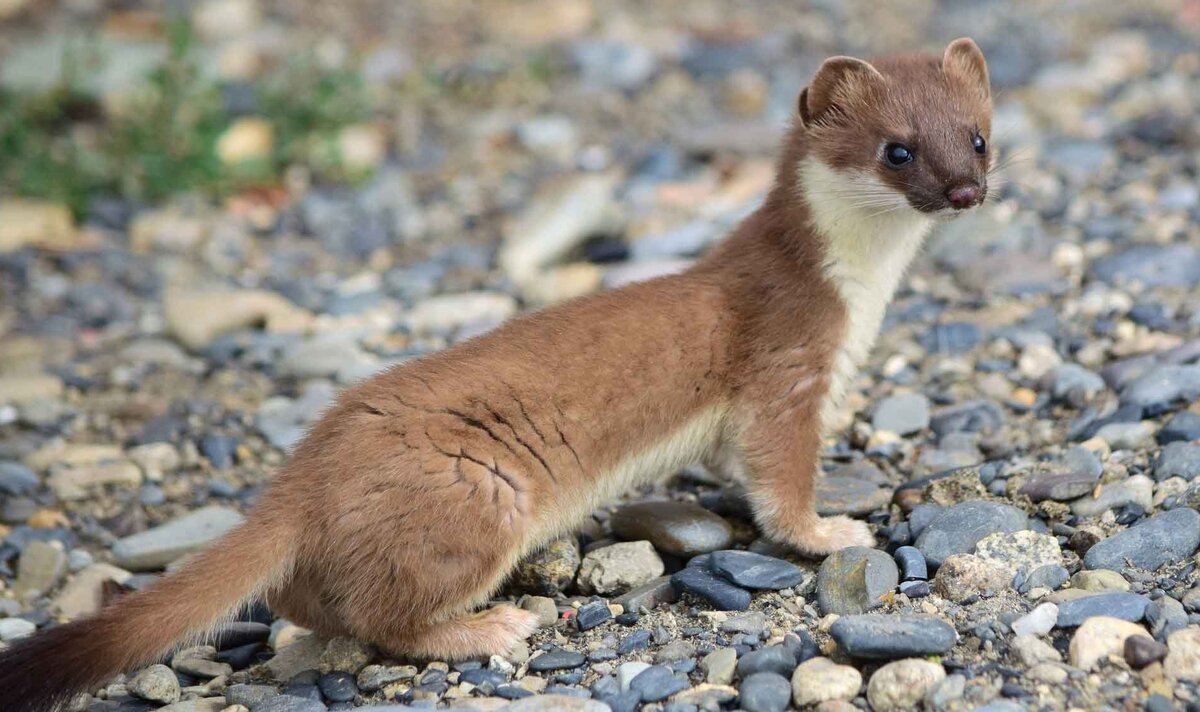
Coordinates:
<point>1024,441</point>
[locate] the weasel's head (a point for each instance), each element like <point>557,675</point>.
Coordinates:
<point>902,133</point>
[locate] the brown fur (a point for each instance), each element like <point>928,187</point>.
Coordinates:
<point>414,495</point>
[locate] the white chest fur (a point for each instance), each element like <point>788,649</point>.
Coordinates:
<point>871,235</point>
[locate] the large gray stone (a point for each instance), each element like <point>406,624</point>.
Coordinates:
<point>1162,539</point>
<point>957,529</point>
<point>157,547</point>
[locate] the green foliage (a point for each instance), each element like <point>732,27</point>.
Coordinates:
<point>64,146</point>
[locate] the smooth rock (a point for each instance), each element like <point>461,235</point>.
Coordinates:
<point>1141,650</point>
<point>156,683</point>
<point>1137,489</point>
<point>648,595</point>
<point>720,594</point>
<point>958,528</point>
<point>855,580</point>
<point>1125,606</point>
<point>903,414</point>
<point>557,659</point>
<point>1099,580</point>
<point>850,495</point>
<point>1183,655</point>
<point>1039,621</point>
<point>556,703</point>
<point>83,592</point>
<point>1031,650</point>
<point>76,483</point>
<point>1164,538</point>
<point>886,637</point>
<point>1184,426</point>
<point>1178,459</point>
<point>1100,637</point>
<point>773,658</point>
<point>901,685</point>
<point>755,571</point>
<point>819,679</point>
<point>40,568</point>
<point>677,528</point>
<point>1059,486</point>
<point>157,547</point>
<point>719,665</point>
<point>764,692</point>
<point>619,567</point>
<point>657,683</point>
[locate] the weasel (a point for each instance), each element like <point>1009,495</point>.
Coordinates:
<point>412,498</point>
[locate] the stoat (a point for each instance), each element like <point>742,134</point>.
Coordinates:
<point>414,496</point>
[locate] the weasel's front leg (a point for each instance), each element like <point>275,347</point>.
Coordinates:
<point>780,453</point>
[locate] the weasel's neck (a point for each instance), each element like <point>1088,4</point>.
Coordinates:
<point>869,236</point>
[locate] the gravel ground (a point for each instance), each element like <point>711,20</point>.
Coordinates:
<point>1026,438</point>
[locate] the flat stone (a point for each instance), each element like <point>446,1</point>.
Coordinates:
<point>83,592</point>
<point>1100,637</point>
<point>1059,486</point>
<point>677,528</point>
<point>1174,265</point>
<point>1163,386</point>
<point>17,480</point>
<point>901,685</point>
<point>591,615</point>
<point>755,571</point>
<point>958,528</point>
<point>773,658</point>
<point>1099,580</point>
<point>765,692</point>
<point>648,595</point>
<point>1137,489</point>
<point>557,659</point>
<point>720,594</point>
<point>850,495</point>
<point>75,483</point>
<point>657,683</point>
<point>886,637</point>
<point>157,547</point>
<point>855,580</point>
<point>1124,606</point>
<point>1184,426</point>
<point>818,680</point>
<point>1162,539</point>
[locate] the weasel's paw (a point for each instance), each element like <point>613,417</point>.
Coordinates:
<point>829,534</point>
<point>514,626</point>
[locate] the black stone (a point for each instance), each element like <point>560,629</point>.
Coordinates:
<point>657,683</point>
<point>592,615</point>
<point>338,686</point>
<point>637,640</point>
<point>722,595</point>
<point>775,658</point>
<point>912,564</point>
<point>754,571</point>
<point>1142,650</point>
<point>1117,604</point>
<point>886,637</point>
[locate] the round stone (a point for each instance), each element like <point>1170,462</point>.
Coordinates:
<point>901,685</point>
<point>855,580</point>
<point>156,683</point>
<point>819,680</point>
<point>765,692</point>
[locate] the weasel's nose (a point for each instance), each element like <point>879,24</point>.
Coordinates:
<point>964,196</point>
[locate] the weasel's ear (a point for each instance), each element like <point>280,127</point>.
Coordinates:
<point>837,79</point>
<point>964,59</point>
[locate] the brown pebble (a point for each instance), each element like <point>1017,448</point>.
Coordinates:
<point>1142,650</point>
<point>1081,541</point>
<point>907,499</point>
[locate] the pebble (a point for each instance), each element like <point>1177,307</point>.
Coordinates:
<point>902,414</point>
<point>557,659</point>
<point>619,567</point>
<point>1184,426</point>
<point>1164,538</point>
<point>912,563</point>
<point>719,665</point>
<point>965,576</point>
<point>41,566</point>
<point>1178,459</point>
<point>902,684</point>
<point>628,671</point>
<point>159,546</point>
<point>76,483</point>
<point>1099,580</point>
<point>678,528</point>
<point>1020,550</point>
<point>1141,650</point>
<point>1031,651</point>
<point>773,658</point>
<point>657,683</point>
<point>765,692</point>
<point>852,496</point>
<point>14,628</point>
<point>1049,576</point>
<point>855,580</point>
<point>721,595</point>
<point>1125,606</point>
<point>1183,655</point>
<point>543,607</point>
<point>549,571</point>
<point>337,686</point>
<point>820,679</point>
<point>885,637</point>
<point>957,529</point>
<point>648,595</point>
<point>1162,387</point>
<point>156,683</point>
<point>592,615</point>
<point>1098,638</point>
<point>1137,489</point>
<point>755,571</point>
<point>17,480</point>
<point>1059,486</point>
<point>1040,621</point>
<point>556,703</point>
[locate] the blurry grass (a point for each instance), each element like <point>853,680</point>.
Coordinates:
<point>64,145</point>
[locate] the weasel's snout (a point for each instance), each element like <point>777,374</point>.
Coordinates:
<point>964,196</point>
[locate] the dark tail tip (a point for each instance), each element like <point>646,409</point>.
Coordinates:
<point>45,671</point>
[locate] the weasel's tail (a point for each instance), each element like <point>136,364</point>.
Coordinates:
<point>48,669</point>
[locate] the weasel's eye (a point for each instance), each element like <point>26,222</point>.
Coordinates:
<point>897,154</point>
<point>979,144</point>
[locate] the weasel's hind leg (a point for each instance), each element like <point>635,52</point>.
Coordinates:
<point>495,631</point>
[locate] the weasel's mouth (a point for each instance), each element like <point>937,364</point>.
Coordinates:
<point>941,208</point>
